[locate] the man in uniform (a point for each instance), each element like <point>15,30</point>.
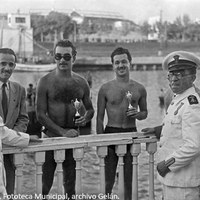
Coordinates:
<point>178,155</point>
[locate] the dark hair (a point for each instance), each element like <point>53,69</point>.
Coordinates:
<point>66,43</point>
<point>119,51</point>
<point>8,51</point>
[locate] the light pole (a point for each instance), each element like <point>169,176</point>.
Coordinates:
<point>75,38</point>
<point>76,20</point>
<point>2,27</point>
<point>160,51</point>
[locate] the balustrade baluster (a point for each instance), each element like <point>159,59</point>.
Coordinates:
<point>135,151</point>
<point>19,161</point>
<point>78,156</point>
<point>59,156</point>
<point>151,149</point>
<point>121,151</point>
<point>39,160</point>
<point>102,152</point>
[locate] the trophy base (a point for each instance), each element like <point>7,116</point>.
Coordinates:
<point>76,117</point>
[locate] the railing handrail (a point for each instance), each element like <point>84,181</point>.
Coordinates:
<point>58,143</point>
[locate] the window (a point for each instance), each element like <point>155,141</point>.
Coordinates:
<point>20,20</point>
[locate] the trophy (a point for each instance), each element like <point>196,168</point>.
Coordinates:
<point>77,105</point>
<point>129,96</point>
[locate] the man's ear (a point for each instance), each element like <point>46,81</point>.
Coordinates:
<point>193,77</point>
<point>74,59</point>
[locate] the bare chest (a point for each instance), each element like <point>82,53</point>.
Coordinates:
<point>65,92</point>
<point>118,96</point>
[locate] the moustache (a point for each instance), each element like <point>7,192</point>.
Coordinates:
<point>63,63</point>
<point>122,67</point>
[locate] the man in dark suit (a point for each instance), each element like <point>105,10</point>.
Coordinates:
<point>12,108</point>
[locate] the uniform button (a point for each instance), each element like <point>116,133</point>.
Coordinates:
<point>172,103</point>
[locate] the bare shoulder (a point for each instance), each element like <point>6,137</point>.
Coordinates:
<point>80,80</point>
<point>137,84</point>
<point>47,78</point>
<point>108,85</point>
<point>46,81</point>
<point>78,77</point>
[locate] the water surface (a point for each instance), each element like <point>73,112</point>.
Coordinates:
<point>153,82</point>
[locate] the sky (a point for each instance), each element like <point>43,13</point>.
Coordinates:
<point>135,10</point>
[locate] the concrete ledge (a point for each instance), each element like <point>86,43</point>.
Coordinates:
<point>95,63</point>
<point>107,60</point>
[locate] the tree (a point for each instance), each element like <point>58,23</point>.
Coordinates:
<point>54,22</point>
<point>186,24</point>
<point>59,22</point>
<point>145,28</point>
<point>193,32</point>
<point>39,25</point>
<point>173,32</point>
<point>175,29</point>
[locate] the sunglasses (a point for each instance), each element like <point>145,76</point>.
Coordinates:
<point>10,64</point>
<point>66,56</point>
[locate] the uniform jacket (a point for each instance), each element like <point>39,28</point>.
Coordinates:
<point>17,117</point>
<point>180,139</point>
<point>13,138</point>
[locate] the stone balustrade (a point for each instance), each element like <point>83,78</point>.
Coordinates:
<point>101,142</point>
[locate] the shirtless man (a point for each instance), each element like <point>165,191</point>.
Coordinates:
<point>56,93</point>
<point>112,99</point>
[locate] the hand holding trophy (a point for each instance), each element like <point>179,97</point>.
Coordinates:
<point>78,119</point>
<point>131,111</point>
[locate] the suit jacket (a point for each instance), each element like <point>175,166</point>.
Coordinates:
<point>17,117</point>
<point>13,138</point>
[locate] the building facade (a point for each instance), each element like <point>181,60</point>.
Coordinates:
<point>95,26</point>
<point>104,27</point>
<point>17,34</point>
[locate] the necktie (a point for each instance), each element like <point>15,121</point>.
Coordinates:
<point>4,101</point>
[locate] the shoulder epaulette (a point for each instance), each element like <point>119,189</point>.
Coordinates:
<point>192,99</point>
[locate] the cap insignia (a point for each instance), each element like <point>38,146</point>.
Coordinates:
<point>176,58</point>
